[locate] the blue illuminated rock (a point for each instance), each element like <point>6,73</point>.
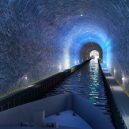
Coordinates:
<point>41,37</point>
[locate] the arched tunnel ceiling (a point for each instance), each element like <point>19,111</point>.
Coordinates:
<point>41,37</point>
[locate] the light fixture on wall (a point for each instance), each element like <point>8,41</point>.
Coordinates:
<point>81,15</point>
<point>114,72</point>
<point>123,78</point>
<point>60,67</point>
<point>25,77</point>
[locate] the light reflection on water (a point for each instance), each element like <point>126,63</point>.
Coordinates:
<point>94,81</point>
<point>86,82</point>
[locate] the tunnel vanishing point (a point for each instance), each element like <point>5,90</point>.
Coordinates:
<point>39,38</point>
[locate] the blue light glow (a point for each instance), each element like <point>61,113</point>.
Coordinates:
<point>79,36</point>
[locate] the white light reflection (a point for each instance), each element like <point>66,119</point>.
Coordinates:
<point>114,71</point>
<point>124,78</point>
<point>25,77</point>
<point>60,67</point>
<point>110,77</point>
<point>81,15</point>
<point>66,63</point>
<point>94,54</point>
<point>117,88</point>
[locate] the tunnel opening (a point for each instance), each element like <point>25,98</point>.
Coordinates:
<point>91,50</point>
<point>94,54</point>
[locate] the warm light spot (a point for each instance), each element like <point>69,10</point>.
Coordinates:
<point>66,66</point>
<point>66,63</point>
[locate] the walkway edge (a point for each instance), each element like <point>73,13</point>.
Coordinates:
<point>120,99</point>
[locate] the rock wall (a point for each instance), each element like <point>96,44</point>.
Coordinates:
<point>41,37</point>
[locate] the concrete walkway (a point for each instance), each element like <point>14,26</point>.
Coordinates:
<point>120,98</point>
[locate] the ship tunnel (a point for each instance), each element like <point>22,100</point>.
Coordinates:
<point>39,38</point>
<point>42,39</point>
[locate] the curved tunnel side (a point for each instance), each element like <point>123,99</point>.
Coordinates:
<point>40,38</point>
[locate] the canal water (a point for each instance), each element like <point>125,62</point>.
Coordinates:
<point>87,82</point>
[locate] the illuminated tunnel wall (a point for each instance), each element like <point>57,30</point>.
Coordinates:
<point>41,37</point>
<point>79,36</point>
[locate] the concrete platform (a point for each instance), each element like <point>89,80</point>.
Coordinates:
<point>120,97</point>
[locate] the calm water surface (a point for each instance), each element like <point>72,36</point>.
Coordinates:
<point>88,83</point>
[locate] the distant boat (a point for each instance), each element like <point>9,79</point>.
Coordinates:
<point>64,111</point>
